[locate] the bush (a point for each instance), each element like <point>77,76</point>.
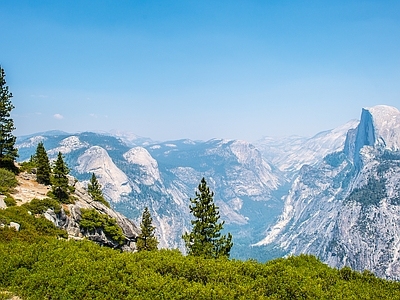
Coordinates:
<point>54,269</point>
<point>28,166</point>
<point>8,181</point>
<point>37,206</point>
<point>92,220</point>
<point>69,199</point>
<point>10,201</point>
<point>31,226</point>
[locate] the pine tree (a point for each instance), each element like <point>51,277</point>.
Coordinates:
<point>205,239</point>
<point>8,152</point>
<point>43,169</point>
<point>146,240</point>
<point>60,179</point>
<point>94,190</point>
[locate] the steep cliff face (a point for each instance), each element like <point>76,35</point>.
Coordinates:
<point>96,160</point>
<point>346,209</point>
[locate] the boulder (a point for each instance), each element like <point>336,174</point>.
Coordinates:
<point>15,225</point>
<point>2,203</point>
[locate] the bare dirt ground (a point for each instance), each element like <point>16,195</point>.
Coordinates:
<point>29,189</point>
<point>10,295</point>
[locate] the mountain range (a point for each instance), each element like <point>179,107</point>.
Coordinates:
<point>334,195</point>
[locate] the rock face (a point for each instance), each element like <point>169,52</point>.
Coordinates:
<point>70,221</point>
<point>96,160</point>
<point>346,210</point>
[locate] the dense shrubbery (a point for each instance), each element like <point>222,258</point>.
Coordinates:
<point>31,228</point>
<point>35,265</point>
<point>8,181</point>
<point>28,166</point>
<point>38,206</point>
<point>93,220</point>
<point>9,201</point>
<point>56,269</point>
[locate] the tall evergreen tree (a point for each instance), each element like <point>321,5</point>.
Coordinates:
<point>8,152</point>
<point>94,190</point>
<point>205,239</point>
<point>60,179</point>
<point>146,240</point>
<point>43,169</point>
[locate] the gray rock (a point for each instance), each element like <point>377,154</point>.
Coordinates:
<point>69,220</point>
<point>15,225</point>
<point>51,216</point>
<point>2,203</point>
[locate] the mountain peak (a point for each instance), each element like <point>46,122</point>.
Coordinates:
<point>386,124</point>
<point>379,128</point>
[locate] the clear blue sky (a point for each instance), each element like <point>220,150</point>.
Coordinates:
<point>198,69</point>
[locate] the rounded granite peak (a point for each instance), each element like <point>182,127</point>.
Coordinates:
<point>383,109</point>
<point>385,124</point>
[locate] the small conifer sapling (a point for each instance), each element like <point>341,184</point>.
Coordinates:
<point>60,180</point>
<point>43,170</point>
<point>146,240</point>
<point>95,192</point>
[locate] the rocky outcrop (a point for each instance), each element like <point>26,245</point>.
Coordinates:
<point>70,216</point>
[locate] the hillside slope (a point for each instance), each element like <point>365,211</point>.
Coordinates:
<point>69,216</point>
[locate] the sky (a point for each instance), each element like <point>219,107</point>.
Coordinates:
<point>198,69</point>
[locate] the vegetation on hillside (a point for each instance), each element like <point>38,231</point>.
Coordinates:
<point>32,225</point>
<point>8,181</point>
<point>92,221</point>
<point>370,194</point>
<point>57,269</point>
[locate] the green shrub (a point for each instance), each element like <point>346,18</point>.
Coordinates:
<point>69,199</point>
<point>10,201</point>
<point>93,220</point>
<point>28,166</point>
<point>8,181</point>
<point>54,269</point>
<point>37,206</point>
<point>31,228</point>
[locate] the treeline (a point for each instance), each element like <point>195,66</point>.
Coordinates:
<point>57,269</point>
<point>370,194</point>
